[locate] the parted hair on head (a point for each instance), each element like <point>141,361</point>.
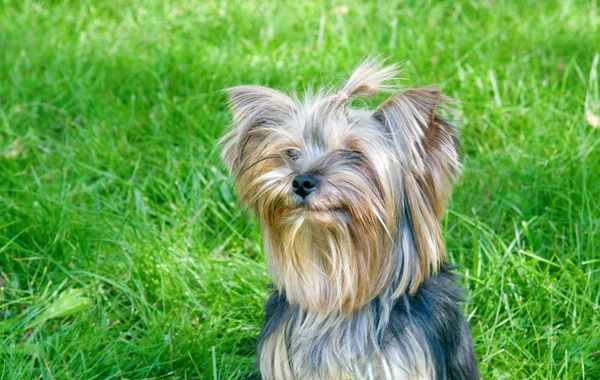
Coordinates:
<point>349,199</point>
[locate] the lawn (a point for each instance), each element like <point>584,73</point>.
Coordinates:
<point>123,253</point>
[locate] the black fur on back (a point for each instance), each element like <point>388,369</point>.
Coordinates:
<point>436,313</point>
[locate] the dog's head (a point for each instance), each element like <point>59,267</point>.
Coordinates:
<point>349,200</point>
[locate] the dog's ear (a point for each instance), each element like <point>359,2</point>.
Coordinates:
<point>428,148</point>
<point>428,142</point>
<point>256,112</point>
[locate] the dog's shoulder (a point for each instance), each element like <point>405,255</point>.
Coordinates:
<point>435,312</point>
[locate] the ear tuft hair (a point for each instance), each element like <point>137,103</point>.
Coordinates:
<point>369,78</point>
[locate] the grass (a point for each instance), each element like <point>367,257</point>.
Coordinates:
<point>122,252</point>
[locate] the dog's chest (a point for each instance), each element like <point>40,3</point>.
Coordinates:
<point>306,347</point>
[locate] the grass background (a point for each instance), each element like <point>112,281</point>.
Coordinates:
<point>122,252</point>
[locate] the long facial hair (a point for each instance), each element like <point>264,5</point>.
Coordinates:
<point>371,228</point>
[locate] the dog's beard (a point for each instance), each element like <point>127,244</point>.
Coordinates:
<point>327,261</point>
<point>334,251</point>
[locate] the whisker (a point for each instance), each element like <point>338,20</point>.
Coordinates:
<point>248,167</point>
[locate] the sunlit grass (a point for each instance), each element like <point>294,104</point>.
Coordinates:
<point>123,253</point>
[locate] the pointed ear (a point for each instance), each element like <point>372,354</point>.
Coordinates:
<point>256,112</point>
<point>428,147</point>
<point>428,142</point>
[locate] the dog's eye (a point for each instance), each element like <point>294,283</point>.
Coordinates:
<point>293,154</point>
<point>352,154</point>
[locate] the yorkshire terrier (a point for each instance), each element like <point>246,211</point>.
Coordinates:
<point>349,202</point>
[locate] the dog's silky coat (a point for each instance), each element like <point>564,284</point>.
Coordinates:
<point>349,202</point>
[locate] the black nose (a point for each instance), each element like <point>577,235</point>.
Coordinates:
<point>304,184</point>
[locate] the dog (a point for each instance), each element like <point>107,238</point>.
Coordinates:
<point>349,201</point>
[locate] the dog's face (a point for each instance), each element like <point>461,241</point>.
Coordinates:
<point>349,200</point>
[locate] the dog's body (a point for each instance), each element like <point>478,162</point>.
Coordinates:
<point>424,336</point>
<point>349,202</point>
